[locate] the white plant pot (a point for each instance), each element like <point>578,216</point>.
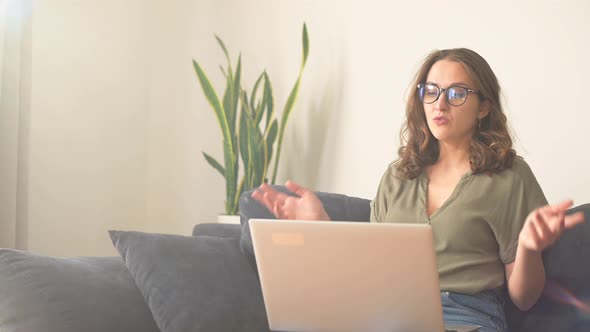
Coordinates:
<point>228,219</point>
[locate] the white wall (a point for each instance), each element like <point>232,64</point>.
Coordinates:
<point>11,33</point>
<point>538,49</point>
<point>182,188</point>
<point>118,120</point>
<point>87,149</point>
<point>346,126</point>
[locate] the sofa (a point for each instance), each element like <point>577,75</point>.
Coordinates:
<point>208,281</point>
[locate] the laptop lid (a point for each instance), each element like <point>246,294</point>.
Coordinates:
<point>347,276</point>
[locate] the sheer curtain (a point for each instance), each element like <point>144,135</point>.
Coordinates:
<point>15,88</point>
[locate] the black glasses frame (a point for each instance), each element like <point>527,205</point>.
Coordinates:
<point>441,91</point>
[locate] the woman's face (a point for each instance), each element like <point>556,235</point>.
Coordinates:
<point>452,124</point>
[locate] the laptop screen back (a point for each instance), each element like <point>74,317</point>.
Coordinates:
<point>347,276</point>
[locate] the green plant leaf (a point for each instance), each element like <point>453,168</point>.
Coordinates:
<point>305,45</point>
<point>261,106</point>
<point>240,122</point>
<point>269,100</point>
<point>259,111</point>
<point>265,154</point>
<point>238,194</point>
<point>243,134</point>
<point>212,98</point>
<point>244,97</point>
<point>228,59</point>
<point>255,91</point>
<point>227,98</point>
<point>255,150</point>
<point>230,98</point>
<point>230,176</point>
<point>286,112</point>
<point>222,45</point>
<point>250,150</point>
<point>214,163</point>
<point>270,138</point>
<point>236,89</point>
<point>230,158</point>
<point>290,103</point>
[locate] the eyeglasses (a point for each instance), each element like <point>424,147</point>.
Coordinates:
<point>456,95</point>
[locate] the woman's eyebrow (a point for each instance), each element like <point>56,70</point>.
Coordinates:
<point>461,83</point>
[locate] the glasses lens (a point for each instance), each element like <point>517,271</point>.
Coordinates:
<point>428,93</point>
<point>457,95</point>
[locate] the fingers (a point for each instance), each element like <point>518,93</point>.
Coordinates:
<point>296,188</point>
<point>553,218</point>
<point>548,226</point>
<point>574,219</point>
<point>269,198</point>
<point>278,212</point>
<point>260,196</point>
<point>289,208</point>
<point>285,209</point>
<point>562,206</point>
<point>564,221</point>
<point>542,228</point>
<point>272,195</point>
<point>545,225</point>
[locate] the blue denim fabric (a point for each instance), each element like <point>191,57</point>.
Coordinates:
<point>485,309</point>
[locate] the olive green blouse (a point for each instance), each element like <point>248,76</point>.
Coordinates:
<point>475,230</point>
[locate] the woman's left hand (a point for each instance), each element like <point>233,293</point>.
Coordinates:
<point>544,225</point>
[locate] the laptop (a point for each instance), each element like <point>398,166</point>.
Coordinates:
<point>319,276</point>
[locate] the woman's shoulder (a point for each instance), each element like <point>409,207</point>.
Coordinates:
<point>394,177</point>
<point>390,173</point>
<point>520,171</point>
<point>520,166</point>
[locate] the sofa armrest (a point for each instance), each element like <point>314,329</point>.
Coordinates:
<point>218,230</point>
<point>566,272</point>
<point>345,208</point>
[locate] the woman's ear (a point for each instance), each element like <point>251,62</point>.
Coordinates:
<point>484,109</point>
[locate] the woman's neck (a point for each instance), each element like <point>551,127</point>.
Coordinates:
<point>453,156</point>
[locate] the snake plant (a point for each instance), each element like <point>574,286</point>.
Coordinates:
<point>246,136</point>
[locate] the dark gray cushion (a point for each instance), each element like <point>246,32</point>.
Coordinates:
<point>218,230</point>
<point>568,272</point>
<point>194,283</point>
<point>563,260</point>
<point>94,294</point>
<point>339,207</point>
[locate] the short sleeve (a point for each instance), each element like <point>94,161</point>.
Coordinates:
<point>379,203</point>
<point>375,215</point>
<point>525,195</point>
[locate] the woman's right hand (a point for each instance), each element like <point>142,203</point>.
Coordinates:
<point>305,206</point>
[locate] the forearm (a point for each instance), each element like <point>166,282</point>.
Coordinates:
<point>527,279</point>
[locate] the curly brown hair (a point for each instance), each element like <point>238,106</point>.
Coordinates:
<point>491,147</point>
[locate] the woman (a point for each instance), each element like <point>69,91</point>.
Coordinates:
<point>458,172</point>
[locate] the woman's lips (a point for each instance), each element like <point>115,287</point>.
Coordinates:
<point>441,120</point>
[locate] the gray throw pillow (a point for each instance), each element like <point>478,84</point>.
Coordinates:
<point>94,294</point>
<point>218,230</point>
<point>194,284</point>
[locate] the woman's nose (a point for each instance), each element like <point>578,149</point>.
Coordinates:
<point>441,103</point>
